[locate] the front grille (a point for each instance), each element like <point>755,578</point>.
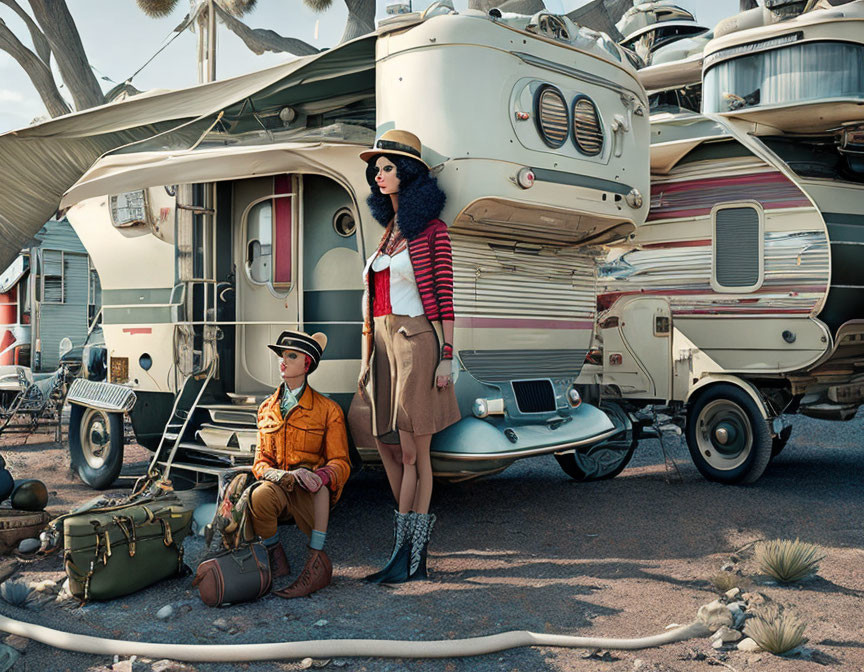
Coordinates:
<point>106,396</point>
<point>534,396</point>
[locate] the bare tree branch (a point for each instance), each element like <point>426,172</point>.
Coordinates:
<point>59,27</point>
<point>40,43</point>
<point>38,72</point>
<point>260,40</point>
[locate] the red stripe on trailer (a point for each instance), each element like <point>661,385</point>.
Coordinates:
<point>132,331</point>
<point>282,231</point>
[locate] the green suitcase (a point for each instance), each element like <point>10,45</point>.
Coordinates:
<point>116,551</point>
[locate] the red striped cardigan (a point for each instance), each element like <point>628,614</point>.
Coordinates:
<point>432,262</point>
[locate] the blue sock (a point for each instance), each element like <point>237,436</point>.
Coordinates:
<point>316,541</point>
<point>271,541</point>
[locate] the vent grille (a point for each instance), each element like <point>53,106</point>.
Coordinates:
<point>534,396</point>
<point>587,133</point>
<point>495,366</point>
<point>736,247</point>
<point>552,117</point>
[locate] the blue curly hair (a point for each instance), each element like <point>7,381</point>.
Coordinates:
<point>420,198</point>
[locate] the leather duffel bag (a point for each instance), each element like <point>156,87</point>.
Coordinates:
<point>234,575</point>
<point>119,550</point>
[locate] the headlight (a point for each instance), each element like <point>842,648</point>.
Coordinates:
<point>483,407</point>
<point>573,397</point>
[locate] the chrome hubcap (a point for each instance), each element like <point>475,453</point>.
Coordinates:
<point>724,435</point>
<point>95,438</point>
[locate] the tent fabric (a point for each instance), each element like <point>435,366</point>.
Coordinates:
<point>41,162</point>
<point>127,172</point>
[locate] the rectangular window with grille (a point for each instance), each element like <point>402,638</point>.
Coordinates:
<point>52,276</point>
<point>738,248</point>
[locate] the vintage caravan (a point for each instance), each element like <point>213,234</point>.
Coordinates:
<point>49,298</point>
<point>212,238</point>
<point>739,300</point>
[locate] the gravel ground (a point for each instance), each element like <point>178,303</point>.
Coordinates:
<point>527,549</point>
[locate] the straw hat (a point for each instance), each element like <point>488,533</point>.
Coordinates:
<point>296,340</point>
<point>400,143</point>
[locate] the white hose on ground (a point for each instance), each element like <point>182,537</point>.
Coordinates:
<point>338,648</point>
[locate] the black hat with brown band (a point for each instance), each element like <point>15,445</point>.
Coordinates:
<point>400,143</point>
<point>313,345</point>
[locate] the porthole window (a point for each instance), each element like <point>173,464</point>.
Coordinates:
<point>587,131</point>
<point>344,223</point>
<point>550,111</point>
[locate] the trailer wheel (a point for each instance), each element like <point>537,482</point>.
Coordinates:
<point>96,445</point>
<point>604,460</point>
<point>727,436</point>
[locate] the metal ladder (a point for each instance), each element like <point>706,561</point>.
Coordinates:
<point>174,429</point>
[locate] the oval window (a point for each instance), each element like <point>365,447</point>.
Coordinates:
<point>551,115</point>
<point>587,132</point>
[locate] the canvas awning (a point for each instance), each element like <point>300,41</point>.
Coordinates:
<point>127,172</point>
<point>41,162</point>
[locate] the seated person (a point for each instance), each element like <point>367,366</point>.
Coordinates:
<point>302,461</point>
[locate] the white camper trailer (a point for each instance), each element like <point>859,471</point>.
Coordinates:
<point>739,300</point>
<point>537,132</point>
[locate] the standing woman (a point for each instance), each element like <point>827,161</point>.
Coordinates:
<point>408,339</point>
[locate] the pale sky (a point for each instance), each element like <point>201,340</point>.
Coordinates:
<point>119,39</point>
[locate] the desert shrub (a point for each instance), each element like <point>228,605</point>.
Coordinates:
<point>788,561</point>
<point>775,630</point>
<point>723,581</point>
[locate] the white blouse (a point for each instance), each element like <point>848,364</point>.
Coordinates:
<point>404,296</point>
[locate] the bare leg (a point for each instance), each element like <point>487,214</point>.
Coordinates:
<point>391,458</point>
<point>408,489</point>
<point>424,473</point>
<point>321,509</point>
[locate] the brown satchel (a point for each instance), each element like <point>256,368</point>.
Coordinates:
<point>234,575</point>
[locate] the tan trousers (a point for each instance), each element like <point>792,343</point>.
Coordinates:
<point>270,504</point>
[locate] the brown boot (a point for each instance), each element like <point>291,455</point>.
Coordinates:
<point>278,561</point>
<point>316,574</point>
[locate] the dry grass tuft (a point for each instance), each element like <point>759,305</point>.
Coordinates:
<point>776,631</point>
<point>788,561</point>
<point>723,581</point>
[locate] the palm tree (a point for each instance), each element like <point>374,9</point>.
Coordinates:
<point>361,20</point>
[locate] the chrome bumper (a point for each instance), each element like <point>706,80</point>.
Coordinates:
<point>102,396</point>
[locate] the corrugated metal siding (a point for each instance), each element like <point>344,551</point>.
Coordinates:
<point>493,279</point>
<point>65,319</point>
<point>59,235</point>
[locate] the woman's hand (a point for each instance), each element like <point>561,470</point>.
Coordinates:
<point>363,378</point>
<point>444,373</point>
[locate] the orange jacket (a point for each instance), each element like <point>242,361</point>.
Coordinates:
<point>312,436</point>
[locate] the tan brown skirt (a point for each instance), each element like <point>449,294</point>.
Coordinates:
<point>403,378</point>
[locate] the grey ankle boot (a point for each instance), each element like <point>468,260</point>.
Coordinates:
<point>396,569</point>
<point>423,524</point>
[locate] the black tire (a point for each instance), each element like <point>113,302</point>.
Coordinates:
<point>778,443</point>
<point>97,457</point>
<point>604,460</point>
<point>740,454</point>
